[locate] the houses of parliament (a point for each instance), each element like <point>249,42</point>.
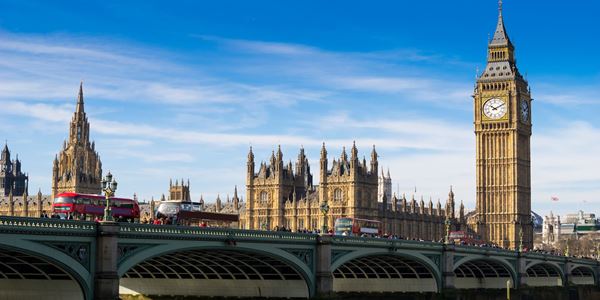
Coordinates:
<point>280,194</point>
<point>284,194</point>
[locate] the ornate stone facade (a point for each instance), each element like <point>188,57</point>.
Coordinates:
<point>77,168</point>
<point>12,179</point>
<point>502,103</point>
<point>179,191</point>
<point>282,194</point>
<point>33,206</point>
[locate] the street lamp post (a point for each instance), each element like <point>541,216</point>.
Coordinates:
<point>109,186</point>
<point>521,239</point>
<point>324,209</point>
<point>447,223</point>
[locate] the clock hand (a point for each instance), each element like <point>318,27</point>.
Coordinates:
<point>496,108</point>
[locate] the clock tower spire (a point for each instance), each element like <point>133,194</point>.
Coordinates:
<point>503,130</point>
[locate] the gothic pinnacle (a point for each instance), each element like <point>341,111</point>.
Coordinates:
<point>279,153</point>
<point>80,99</point>
<point>354,151</point>
<point>374,154</point>
<point>250,155</point>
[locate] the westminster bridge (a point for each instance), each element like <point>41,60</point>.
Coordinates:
<point>88,260</point>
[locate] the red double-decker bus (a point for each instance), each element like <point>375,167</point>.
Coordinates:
<point>463,237</point>
<point>357,227</point>
<point>85,206</point>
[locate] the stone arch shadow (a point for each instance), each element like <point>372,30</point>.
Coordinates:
<point>156,251</point>
<point>470,272</point>
<point>540,273</point>
<point>582,275</point>
<point>421,259</point>
<point>82,277</point>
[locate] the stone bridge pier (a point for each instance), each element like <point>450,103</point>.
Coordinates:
<point>106,278</point>
<point>324,276</point>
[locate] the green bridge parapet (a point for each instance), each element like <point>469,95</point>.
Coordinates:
<point>129,230</point>
<point>46,226</point>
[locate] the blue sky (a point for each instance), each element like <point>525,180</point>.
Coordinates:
<point>183,89</point>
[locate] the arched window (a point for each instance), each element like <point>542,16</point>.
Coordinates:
<point>264,196</point>
<point>338,195</point>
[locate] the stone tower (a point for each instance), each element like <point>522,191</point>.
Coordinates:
<point>12,179</point>
<point>350,186</point>
<point>179,191</point>
<point>77,168</point>
<point>275,184</point>
<point>503,129</point>
<point>385,186</point>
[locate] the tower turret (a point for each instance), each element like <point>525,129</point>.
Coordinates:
<point>354,152</point>
<point>218,204</point>
<point>5,157</point>
<point>450,204</point>
<point>39,204</point>
<point>323,164</point>
<point>25,211</point>
<point>374,162</point>
<point>236,199</point>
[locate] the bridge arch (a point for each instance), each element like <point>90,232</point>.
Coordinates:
<point>582,275</point>
<point>483,272</point>
<point>385,271</point>
<point>544,273</point>
<point>31,269</point>
<point>213,269</point>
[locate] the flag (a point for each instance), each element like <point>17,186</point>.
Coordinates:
<point>554,198</point>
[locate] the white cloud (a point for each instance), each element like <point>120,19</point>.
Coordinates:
<point>169,118</point>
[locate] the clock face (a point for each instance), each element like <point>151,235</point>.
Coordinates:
<point>524,110</point>
<point>494,108</point>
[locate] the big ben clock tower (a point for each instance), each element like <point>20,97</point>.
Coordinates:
<point>503,130</point>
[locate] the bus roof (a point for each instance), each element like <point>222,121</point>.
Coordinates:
<point>359,219</point>
<point>209,216</point>
<point>71,194</point>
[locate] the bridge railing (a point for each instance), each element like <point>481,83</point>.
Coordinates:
<point>385,242</point>
<point>561,258</point>
<point>478,249</point>
<point>187,232</point>
<point>45,225</point>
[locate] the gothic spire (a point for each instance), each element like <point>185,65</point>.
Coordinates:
<point>250,155</point>
<point>279,154</point>
<point>500,37</point>
<point>301,155</point>
<point>323,152</point>
<point>80,99</point>
<point>272,159</point>
<point>374,154</point>
<point>354,151</point>
<point>6,153</point>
